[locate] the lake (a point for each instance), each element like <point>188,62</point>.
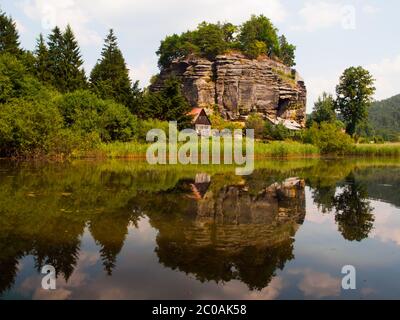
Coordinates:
<point>128,230</point>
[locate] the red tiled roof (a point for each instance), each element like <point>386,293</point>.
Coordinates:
<point>195,111</point>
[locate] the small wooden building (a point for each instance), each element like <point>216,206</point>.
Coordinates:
<point>201,122</point>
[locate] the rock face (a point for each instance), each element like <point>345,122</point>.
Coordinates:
<point>237,86</point>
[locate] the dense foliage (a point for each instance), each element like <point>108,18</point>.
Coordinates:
<point>384,118</point>
<point>255,37</point>
<point>169,104</point>
<point>47,107</point>
<point>329,138</point>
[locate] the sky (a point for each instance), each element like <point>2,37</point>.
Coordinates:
<point>330,35</point>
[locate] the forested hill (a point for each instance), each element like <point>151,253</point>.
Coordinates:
<point>384,117</point>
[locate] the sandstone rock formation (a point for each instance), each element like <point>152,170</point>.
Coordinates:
<point>237,86</point>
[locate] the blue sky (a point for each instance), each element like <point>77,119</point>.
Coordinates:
<point>330,35</point>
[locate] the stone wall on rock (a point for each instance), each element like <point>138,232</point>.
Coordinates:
<point>237,86</point>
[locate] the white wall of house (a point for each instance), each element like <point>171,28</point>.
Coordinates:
<point>203,130</point>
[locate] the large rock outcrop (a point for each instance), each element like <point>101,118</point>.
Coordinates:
<point>237,86</point>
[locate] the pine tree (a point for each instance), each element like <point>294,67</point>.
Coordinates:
<point>110,76</point>
<point>9,38</point>
<point>55,54</point>
<point>72,62</point>
<point>41,66</point>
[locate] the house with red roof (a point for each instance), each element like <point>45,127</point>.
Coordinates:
<point>201,122</point>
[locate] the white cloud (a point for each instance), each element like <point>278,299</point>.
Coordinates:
<point>370,9</point>
<point>387,75</point>
<point>62,12</point>
<point>142,72</point>
<point>20,27</point>
<point>187,11</point>
<point>317,84</point>
<point>317,15</point>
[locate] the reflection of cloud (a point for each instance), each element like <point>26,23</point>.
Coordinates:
<point>317,285</point>
<point>59,294</point>
<point>235,290</point>
<point>387,223</point>
<point>64,289</point>
<point>367,291</point>
<point>320,218</point>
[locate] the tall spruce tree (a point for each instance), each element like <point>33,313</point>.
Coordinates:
<point>9,38</point>
<point>72,62</point>
<point>55,55</point>
<point>110,76</point>
<point>41,66</point>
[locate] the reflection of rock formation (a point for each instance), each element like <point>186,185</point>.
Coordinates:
<point>234,235</point>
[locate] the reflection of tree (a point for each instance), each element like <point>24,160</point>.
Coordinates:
<point>324,197</point>
<point>8,272</point>
<point>11,250</point>
<point>58,245</point>
<point>253,265</point>
<point>353,211</point>
<point>110,230</point>
<point>234,233</point>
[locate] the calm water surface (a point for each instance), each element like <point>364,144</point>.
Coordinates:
<point>125,230</point>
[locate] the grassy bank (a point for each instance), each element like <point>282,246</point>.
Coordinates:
<point>376,150</point>
<point>275,149</point>
<point>132,150</point>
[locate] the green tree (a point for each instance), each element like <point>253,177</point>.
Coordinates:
<point>287,51</point>
<point>210,39</point>
<point>354,96</point>
<point>41,64</point>
<point>9,38</point>
<point>55,58</point>
<point>110,76</point>
<point>171,48</point>
<point>257,30</point>
<point>72,63</point>
<point>169,104</point>
<point>324,109</point>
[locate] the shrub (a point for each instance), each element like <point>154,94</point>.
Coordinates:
<point>26,127</point>
<point>276,132</point>
<point>66,142</point>
<point>83,111</point>
<point>117,123</point>
<point>147,125</point>
<point>329,138</point>
<point>219,123</point>
<point>256,122</point>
